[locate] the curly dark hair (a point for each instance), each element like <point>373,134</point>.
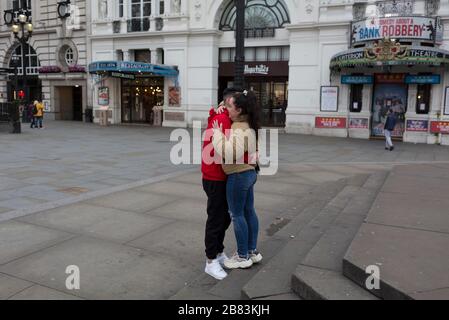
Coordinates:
<point>247,102</point>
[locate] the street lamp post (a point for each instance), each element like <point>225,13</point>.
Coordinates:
<point>23,29</point>
<point>239,79</point>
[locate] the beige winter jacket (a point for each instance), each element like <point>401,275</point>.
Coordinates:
<point>239,150</point>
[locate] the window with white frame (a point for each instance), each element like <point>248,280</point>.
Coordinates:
<point>121,9</point>
<point>31,60</point>
<point>140,13</point>
<point>69,56</point>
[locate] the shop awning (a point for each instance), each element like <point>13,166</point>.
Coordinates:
<point>133,68</point>
<point>396,55</point>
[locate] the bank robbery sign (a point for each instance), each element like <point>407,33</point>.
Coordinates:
<point>422,28</point>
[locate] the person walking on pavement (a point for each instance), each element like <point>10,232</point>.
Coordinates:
<point>31,111</point>
<point>390,125</point>
<point>39,115</point>
<point>239,150</point>
<point>214,184</point>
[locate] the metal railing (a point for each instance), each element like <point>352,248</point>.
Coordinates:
<point>4,111</point>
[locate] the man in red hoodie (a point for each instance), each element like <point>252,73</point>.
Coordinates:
<point>214,184</point>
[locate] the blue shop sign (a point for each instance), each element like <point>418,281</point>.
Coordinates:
<point>133,68</point>
<point>357,79</point>
<point>427,79</point>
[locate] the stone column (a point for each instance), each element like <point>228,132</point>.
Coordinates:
<point>154,56</point>
<point>126,55</point>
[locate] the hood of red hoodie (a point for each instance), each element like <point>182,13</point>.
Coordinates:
<point>213,113</point>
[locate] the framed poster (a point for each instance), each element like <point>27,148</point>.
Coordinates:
<point>174,99</point>
<point>439,127</point>
<point>329,99</point>
<point>446,101</point>
<point>103,96</point>
<point>358,123</point>
<point>330,123</point>
<point>417,125</point>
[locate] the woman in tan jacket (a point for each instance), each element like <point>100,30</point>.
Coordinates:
<point>238,148</point>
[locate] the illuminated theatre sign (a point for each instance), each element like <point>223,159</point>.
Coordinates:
<point>418,28</point>
<point>387,54</point>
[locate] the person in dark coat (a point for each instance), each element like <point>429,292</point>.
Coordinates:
<point>390,125</point>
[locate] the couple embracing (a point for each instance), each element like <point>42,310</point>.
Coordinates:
<point>228,180</point>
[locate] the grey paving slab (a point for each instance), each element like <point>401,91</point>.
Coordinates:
<point>410,261</point>
<point>20,202</point>
<point>183,209</point>
<point>439,294</point>
<point>133,200</point>
<point>9,184</point>
<point>18,239</point>
<point>268,185</point>
<point>174,239</point>
<point>329,251</point>
<point>107,270</point>
<point>10,286</point>
<point>177,189</point>
<point>429,187</point>
<point>282,297</point>
<point>37,292</point>
<point>105,223</point>
<point>424,171</point>
<point>411,211</point>
<point>313,283</point>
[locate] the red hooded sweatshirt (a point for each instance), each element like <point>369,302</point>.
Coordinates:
<point>214,171</point>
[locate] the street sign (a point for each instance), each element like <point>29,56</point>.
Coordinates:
<point>123,75</point>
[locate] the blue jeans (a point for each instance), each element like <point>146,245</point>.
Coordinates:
<point>240,195</point>
<point>38,122</point>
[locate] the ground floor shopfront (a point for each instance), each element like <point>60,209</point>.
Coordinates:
<point>362,91</point>
<point>133,92</point>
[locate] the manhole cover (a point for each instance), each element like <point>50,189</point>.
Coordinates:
<point>74,190</point>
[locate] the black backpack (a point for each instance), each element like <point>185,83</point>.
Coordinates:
<point>35,110</point>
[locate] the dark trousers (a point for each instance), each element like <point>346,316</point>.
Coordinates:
<point>218,220</point>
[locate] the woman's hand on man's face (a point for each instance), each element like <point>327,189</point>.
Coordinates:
<point>221,108</point>
<point>217,126</point>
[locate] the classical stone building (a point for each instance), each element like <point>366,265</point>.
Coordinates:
<point>56,57</point>
<point>318,67</point>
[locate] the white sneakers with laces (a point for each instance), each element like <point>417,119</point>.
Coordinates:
<point>215,270</point>
<point>237,262</point>
<point>255,257</point>
<point>222,257</point>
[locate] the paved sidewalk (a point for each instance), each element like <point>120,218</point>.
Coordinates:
<point>69,159</point>
<point>142,243</point>
<point>133,223</point>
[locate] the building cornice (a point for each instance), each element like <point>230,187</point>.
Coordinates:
<point>146,34</point>
<point>318,25</point>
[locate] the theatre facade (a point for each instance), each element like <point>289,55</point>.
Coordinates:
<point>391,55</point>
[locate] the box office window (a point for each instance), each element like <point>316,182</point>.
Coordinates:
<point>423,99</point>
<point>356,98</point>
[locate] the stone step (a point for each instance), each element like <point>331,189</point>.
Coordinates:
<point>319,275</point>
<point>312,283</point>
<point>305,231</point>
<point>405,236</point>
<point>293,219</point>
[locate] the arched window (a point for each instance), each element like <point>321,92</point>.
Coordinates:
<point>32,62</point>
<point>259,14</point>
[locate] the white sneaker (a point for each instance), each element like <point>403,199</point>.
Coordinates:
<point>236,262</point>
<point>222,257</point>
<point>215,270</point>
<point>255,256</point>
